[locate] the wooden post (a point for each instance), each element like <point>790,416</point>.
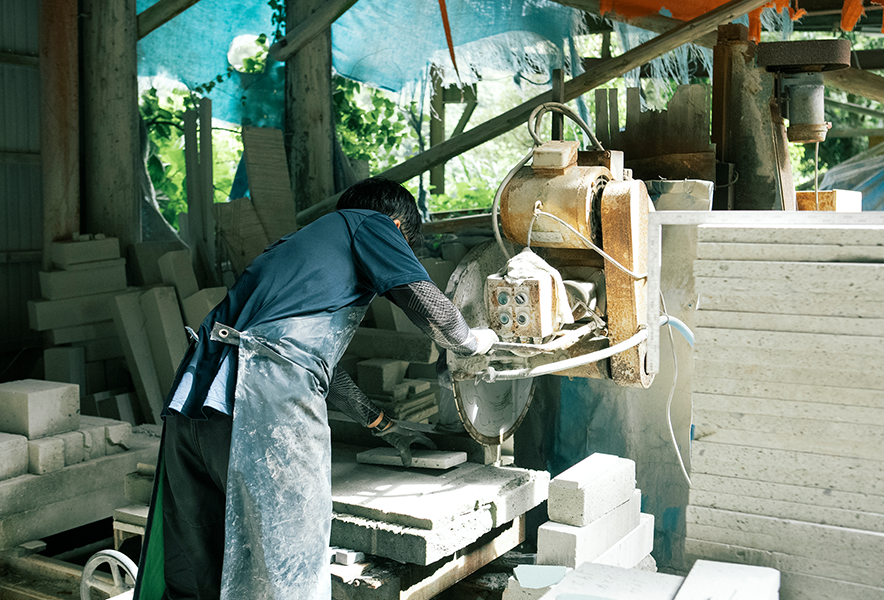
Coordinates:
<point>309,122</point>
<point>437,129</point>
<point>558,94</point>
<point>207,192</point>
<point>111,148</point>
<point>59,121</point>
<point>160,13</point>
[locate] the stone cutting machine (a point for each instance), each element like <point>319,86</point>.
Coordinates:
<point>565,291</point>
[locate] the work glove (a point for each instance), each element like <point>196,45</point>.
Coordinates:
<point>486,339</point>
<point>401,436</point>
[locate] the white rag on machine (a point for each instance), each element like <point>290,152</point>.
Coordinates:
<point>527,265</point>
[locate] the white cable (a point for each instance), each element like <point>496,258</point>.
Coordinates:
<point>539,111</point>
<point>684,470</point>
<point>593,246</point>
<point>496,204</point>
<point>491,375</point>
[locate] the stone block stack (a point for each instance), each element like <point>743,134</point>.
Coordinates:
<point>82,346</point>
<point>595,516</point>
<point>787,388</point>
<point>58,469</point>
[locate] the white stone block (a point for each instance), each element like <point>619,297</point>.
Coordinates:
<point>131,327</point>
<point>94,445</point>
<point>593,487</point>
<point>35,408</point>
<point>380,375</point>
<point>709,580</point>
<point>69,312</point>
<point>198,306</point>
<point>13,455</point>
<point>144,260</point>
<point>598,581</point>
<point>80,333</point>
<point>65,254</point>
<point>55,285</point>
<point>45,455</point>
<point>632,549</point>
<point>165,332</point>
<point>420,459</point>
<point>348,557</point>
<point>117,434</point>
<point>74,447</point>
<point>569,546</point>
<point>65,364</point>
<point>176,270</point>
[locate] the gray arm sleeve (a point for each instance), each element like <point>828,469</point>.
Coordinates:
<point>344,396</point>
<point>428,308</point>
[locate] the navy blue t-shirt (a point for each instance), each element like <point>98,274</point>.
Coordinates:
<point>342,259</point>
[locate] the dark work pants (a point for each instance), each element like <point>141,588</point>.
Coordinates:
<point>196,454</point>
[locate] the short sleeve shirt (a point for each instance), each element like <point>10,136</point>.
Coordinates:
<point>342,259</point>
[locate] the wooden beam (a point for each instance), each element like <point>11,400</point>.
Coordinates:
<point>855,108</point>
<point>59,120</point>
<point>160,13</point>
<point>654,22</point>
<point>602,73</point>
<point>318,21</point>
<point>853,81</point>
<point>846,133</point>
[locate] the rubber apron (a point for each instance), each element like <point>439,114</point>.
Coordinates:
<point>279,505</point>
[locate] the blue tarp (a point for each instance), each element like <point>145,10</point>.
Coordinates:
<point>386,43</point>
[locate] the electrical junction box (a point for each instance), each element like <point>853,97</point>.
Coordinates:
<point>523,310</point>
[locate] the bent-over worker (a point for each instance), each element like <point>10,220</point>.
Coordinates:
<point>242,505</point>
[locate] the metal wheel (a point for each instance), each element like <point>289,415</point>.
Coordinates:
<point>122,569</point>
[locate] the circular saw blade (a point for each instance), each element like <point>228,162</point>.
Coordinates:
<point>491,412</point>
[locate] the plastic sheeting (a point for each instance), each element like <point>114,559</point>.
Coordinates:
<point>866,176</point>
<point>385,43</point>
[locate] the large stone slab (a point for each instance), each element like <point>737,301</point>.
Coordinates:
<point>35,408</point>
<point>790,252</point>
<point>592,580</point>
<point>55,285</point>
<point>633,547</point>
<point>176,270</point>
<point>67,253</point>
<point>13,455</point>
<point>416,515</point>
<point>80,333</point>
<point>69,312</point>
<point>165,332</point>
<point>132,330</point>
<point>833,235</point>
<point>708,580</point>
<point>199,305</point>
<point>761,321</point>
<point>36,506</point>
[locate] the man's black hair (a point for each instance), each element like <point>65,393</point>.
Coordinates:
<point>387,197</point>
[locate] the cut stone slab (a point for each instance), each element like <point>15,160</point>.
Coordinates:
<point>36,506</point>
<point>530,582</point>
<point>630,550</point>
<point>65,254</point>
<point>144,260</point>
<point>119,407</point>
<point>420,459</point>
<point>55,285</point>
<point>198,306</point>
<point>592,580</point>
<point>133,515</point>
<point>379,375</point>
<point>709,580</point>
<point>176,269</point>
<point>384,343</point>
<point>240,230</point>
<point>69,312</point>
<point>348,557</point>
<point>165,332</point>
<point>416,516</point>
<point>271,190</point>
<point>569,546</point>
<point>80,333</point>
<point>102,348</point>
<point>13,455</point>
<point>65,364</point>
<point>45,455</point>
<point>35,408</point>
<point>590,489</point>
<point>132,330</point>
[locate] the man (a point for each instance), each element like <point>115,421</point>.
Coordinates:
<point>242,505</point>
